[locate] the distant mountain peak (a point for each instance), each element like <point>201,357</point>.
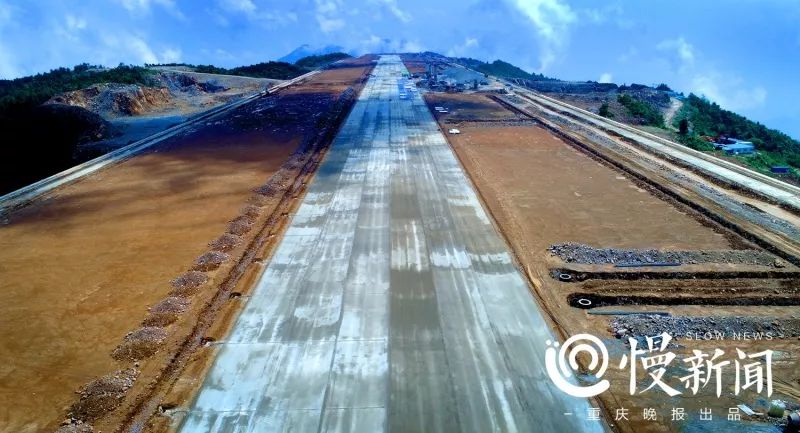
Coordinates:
<point>306,50</point>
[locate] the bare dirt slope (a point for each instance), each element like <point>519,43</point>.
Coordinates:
<point>136,111</point>
<point>172,93</point>
<point>550,193</point>
<point>81,266</point>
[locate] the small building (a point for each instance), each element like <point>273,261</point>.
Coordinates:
<point>734,146</point>
<point>740,148</point>
<point>779,169</point>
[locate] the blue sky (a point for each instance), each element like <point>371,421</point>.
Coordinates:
<point>743,54</point>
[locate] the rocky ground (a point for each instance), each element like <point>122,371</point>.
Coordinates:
<point>639,325</point>
<point>585,254</point>
<point>135,111</point>
<point>172,92</point>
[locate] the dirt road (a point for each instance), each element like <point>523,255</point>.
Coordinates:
<point>392,304</point>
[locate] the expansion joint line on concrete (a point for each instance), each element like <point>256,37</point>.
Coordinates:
<point>391,304</point>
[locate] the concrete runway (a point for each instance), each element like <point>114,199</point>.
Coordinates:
<point>391,304</point>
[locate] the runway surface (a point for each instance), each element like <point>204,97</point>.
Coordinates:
<point>391,304</point>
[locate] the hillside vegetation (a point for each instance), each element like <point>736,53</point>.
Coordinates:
<point>41,140</point>
<point>644,112</point>
<point>708,118</point>
<point>316,62</point>
<point>501,69</point>
<point>273,70</point>
<point>36,89</point>
<point>644,105</point>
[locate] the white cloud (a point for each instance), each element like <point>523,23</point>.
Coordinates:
<point>328,15</point>
<point>375,44</point>
<point>728,92</point>
<point>250,10</point>
<point>410,47</point>
<point>603,14</point>
<point>552,20</point>
<point>724,87</point>
<point>464,49</point>
<point>70,28</point>
<point>142,7</point>
<point>682,49</point>
<point>75,23</point>
<point>6,14</point>
<point>8,69</point>
<point>395,10</point>
<point>170,55</point>
<point>142,52</point>
<point>605,77</point>
<point>246,7</point>
<point>628,55</point>
<point>328,25</point>
<point>120,47</point>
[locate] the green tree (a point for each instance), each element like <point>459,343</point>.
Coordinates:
<point>708,118</point>
<point>604,111</point>
<point>683,127</point>
<point>643,111</point>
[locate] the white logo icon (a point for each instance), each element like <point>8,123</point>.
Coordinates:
<point>561,365</point>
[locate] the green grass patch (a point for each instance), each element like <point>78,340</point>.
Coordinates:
<point>643,111</point>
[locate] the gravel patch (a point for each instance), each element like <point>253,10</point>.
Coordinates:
<point>166,312</point>
<point>103,395</point>
<point>188,283</point>
<point>140,344</point>
<point>76,427</point>
<point>210,261</point>
<point>681,326</point>
<point>260,200</point>
<point>240,225</point>
<point>226,242</point>
<point>277,183</point>
<point>584,254</point>
<point>251,211</point>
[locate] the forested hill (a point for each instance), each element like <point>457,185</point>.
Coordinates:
<point>315,62</point>
<point>36,89</point>
<point>709,119</point>
<point>44,139</point>
<point>501,69</point>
